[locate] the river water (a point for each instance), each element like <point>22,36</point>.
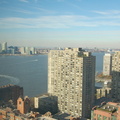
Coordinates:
<point>31,72</point>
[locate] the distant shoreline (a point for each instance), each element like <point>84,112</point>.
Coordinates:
<point>22,54</point>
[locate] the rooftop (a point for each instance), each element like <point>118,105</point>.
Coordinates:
<point>110,107</point>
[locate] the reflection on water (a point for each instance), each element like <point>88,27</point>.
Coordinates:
<point>8,80</point>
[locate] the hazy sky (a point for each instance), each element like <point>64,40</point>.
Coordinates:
<point>60,23</point>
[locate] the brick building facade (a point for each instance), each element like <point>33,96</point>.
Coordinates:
<point>23,105</point>
<point>106,111</point>
<point>10,92</point>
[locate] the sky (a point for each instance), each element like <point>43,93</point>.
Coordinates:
<point>60,23</point>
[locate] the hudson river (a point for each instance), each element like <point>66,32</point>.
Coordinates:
<point>31,72</point>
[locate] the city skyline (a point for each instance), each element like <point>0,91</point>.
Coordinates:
<point>60,23</point>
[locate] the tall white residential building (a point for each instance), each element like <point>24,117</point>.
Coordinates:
<point>71,77</point>
<point>33,51</point>
<point>4,46</point>
<point>28,50</point>
<point>22,50</point>
<point>116,76</point>
<point>0,47</point>
<point>107,64</point>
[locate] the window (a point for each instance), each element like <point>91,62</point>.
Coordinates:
<point>20,102</point>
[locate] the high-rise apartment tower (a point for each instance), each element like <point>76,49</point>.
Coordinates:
<point>107,64</point>
<point>116,76</point>
<point>4,46</point>
<point>71,77</point>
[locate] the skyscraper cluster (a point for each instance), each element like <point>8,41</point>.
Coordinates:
<point>71,77</point>
<point>28,50</point>
<point>111,66</point>
<point>71,83</point>
<point>4,49</point>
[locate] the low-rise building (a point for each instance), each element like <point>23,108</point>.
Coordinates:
<point>3,114</point>
<point>10,92</point>
<point>23,105</point>
<point>103,92</point>
<point>45,103</point>
<point>46,118</point>
<point>106,111</point>
<point>8,114</point>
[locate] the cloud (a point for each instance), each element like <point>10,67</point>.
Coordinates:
<point>110,12</point>
<point>101,12</point>
<point>24,1</point>
<point>45,10</point>
<point>32,10</point>
<point>74,5</point>
<point>60,21</point>
<point>64,21</point>
<point>25,11</point>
